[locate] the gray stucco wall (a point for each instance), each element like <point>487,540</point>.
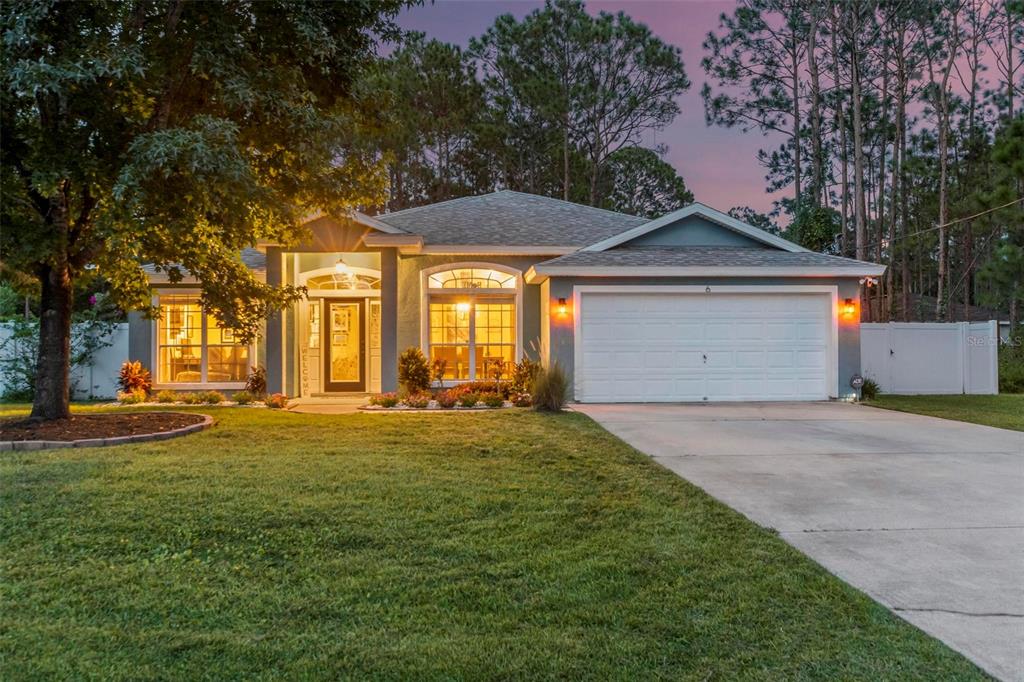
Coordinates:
<point>410,291</point>
<point>561,330</point>
<point>694,231</point>
<point>275,351</point>
<point>140,339</point>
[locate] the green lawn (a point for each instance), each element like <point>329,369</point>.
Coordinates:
<point>506,545</point>
<point>1005,411</point>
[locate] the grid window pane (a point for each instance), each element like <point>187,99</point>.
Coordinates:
<point>495,339</point>
<point>179,340</point>
<point>449,337</point>
<point>182,345</point>
<point>491,343</point>
<point>226,359</point>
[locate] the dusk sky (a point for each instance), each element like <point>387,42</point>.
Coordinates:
<point>719,165</point>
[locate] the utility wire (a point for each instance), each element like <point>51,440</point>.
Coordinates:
<point>939,227</point>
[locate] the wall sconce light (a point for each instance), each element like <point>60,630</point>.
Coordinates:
<point>563,308</point>
<point>342,268</point>
<point>849,308</point>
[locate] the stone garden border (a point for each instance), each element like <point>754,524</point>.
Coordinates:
<point>31,445</point>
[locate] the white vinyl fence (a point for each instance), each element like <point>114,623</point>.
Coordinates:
<point>99,380</point>
<point>931,357</point>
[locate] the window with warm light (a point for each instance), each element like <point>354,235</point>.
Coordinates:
<point>471,278</point>
<point>471,321</point>
<point>193,348</point>
<point>346,278</point>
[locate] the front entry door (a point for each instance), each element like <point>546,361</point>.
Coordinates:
<point>344,322</point>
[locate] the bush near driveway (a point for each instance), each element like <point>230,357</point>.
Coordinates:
<point>497,545</point>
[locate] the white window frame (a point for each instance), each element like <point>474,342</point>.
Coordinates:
<point>203,355</point>
<point>472,295</point>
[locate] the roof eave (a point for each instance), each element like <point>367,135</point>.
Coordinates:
<point>497,250</point>
<point>541,271</point>
<point>405,243</point>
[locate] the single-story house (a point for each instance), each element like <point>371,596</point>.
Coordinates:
<point>692,306</point>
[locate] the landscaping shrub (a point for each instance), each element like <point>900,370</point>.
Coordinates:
<point>437,369</point>
<point>522,400</point>
<point>1011,365</point>
<point>447,399</point>
<point>870,390</point>
<point>494,368</point>
<point>134,377</point>
<point>131,397</point>
<point>523,375</point>
<point>276,401</point>
<point>550,388</point>
<point>492,400</point>
<point>384,399</point>
<point>469,399</point>
<point>212,397</point>
<point>413,371</point>
<point>166,397</point>
<point>191,398</point>
<point>418,400</point>
<point>243,398</point>
<point>504,390</point>
<point>256,381</point>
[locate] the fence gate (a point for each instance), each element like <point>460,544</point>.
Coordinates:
<point>931,357</point>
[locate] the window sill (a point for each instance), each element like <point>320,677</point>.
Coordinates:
<point>199,386</point>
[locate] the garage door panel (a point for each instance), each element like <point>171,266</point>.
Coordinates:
<point>749,359</point>
<point>695,347</point>
<point>779,331</point>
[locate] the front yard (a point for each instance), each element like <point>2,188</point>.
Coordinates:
<point>1005,411</point>
<point>455,546</point>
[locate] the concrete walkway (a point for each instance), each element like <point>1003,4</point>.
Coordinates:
<point>925,515</point>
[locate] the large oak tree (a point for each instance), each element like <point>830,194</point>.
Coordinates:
<point>175,133</point>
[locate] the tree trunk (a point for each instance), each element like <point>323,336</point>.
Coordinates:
<point>796,126</point>
<point>1010,69</point>
<point>942,110</point>
<point>817,163</point>
<point>843,148</point>
<point>859,207</point>
<point>565,157</point>
<point>54,361</point>
<point>595,173</point>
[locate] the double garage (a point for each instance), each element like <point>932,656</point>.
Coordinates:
<point>694,344</point>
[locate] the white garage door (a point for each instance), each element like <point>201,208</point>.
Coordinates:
<point>680,347</point>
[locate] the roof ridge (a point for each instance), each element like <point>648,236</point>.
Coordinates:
<point>574,203</point>
<point>381,216</point>
<point>405,211</point>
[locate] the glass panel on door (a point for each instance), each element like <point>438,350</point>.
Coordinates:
<point>344,342</point>
<point>343,339</point>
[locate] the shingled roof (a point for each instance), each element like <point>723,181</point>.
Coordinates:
<point>745,258</point>
<point>253,259</point>
<point>510,218</point>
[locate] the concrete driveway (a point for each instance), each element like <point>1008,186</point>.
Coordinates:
<point>925,515</point>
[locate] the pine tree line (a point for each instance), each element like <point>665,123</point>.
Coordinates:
<point>555,104</point>
<point>898,119</point>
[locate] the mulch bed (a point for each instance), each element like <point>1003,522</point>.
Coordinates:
<point>95,426</point>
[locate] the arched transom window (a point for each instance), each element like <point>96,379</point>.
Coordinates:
<point>349,278</point>
<point>472,278</point>
<point>472,320</point>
